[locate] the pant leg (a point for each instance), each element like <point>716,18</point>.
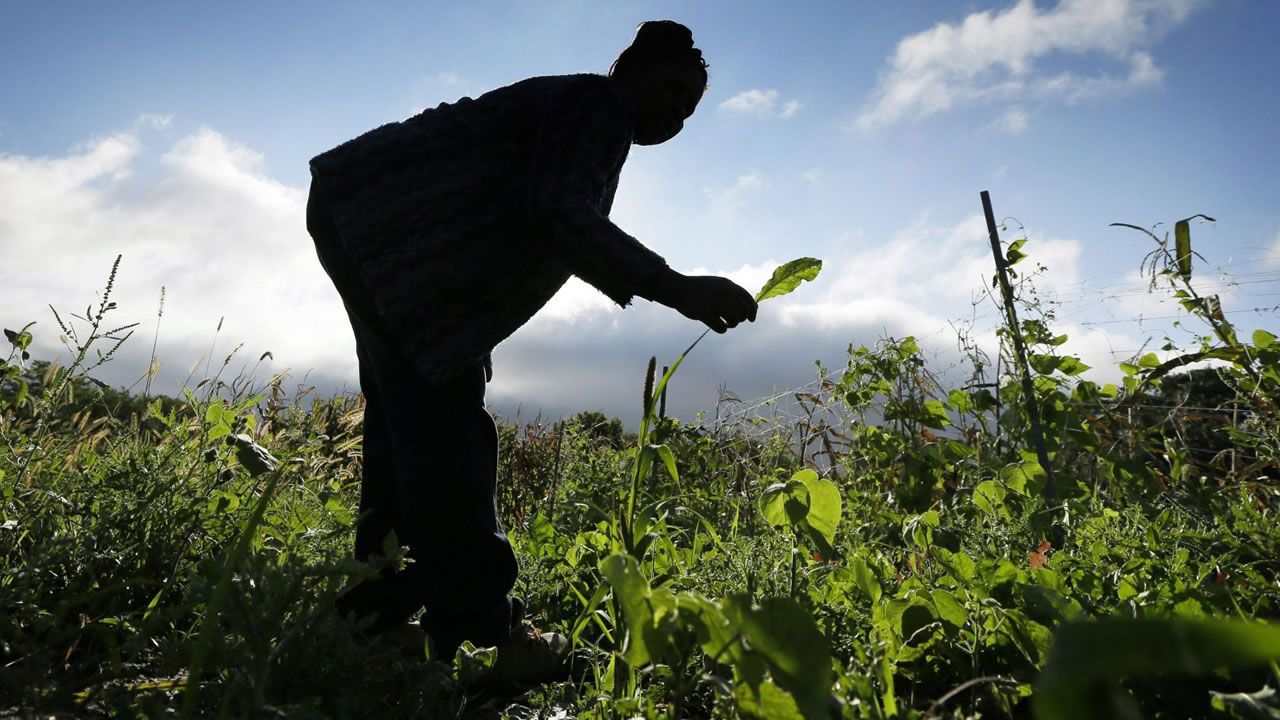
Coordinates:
<point>445,445</point>
<point>430,473</point>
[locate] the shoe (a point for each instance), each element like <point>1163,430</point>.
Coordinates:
<point>530,657</point>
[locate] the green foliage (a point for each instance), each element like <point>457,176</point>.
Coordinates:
<point>890,555</point>
<point>1078,681</point>
<point>806,504</point>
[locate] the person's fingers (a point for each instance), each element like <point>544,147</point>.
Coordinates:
<point>743,304</point>
<point>715,324</point>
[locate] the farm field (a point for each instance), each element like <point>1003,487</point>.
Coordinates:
<point>885,547</point>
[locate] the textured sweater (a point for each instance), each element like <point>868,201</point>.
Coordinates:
<point>465,219</point>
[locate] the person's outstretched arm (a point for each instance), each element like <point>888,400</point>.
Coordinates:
<point>579,154</point>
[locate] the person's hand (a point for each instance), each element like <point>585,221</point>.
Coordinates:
<point>718,302</point>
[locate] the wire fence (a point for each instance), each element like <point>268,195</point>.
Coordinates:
<point>806,423</point>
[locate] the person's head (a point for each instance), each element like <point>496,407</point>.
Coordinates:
<point>666,76</point>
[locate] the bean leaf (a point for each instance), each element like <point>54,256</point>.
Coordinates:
<point>789,276</point>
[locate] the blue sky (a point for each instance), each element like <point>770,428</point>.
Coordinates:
<point>857,132</point>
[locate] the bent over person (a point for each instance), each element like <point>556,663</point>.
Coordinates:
<point>445,233</point>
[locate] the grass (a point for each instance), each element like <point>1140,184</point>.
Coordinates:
<point>154,564</point>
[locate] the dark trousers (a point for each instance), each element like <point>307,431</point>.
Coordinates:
<point>430,475</point>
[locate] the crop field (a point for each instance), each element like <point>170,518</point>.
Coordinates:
<point>888,546</point>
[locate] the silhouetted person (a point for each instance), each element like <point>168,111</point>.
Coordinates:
<point>445,233</point>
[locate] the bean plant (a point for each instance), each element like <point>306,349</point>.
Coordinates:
<point>888,552</point>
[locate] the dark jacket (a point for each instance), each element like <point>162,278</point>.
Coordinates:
<point>464,220</point>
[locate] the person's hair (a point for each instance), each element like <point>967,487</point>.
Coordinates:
<point>659,42</point>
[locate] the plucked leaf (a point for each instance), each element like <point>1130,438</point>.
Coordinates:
<point>789,276</point>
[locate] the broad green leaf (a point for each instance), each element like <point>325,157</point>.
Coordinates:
<point>1077,673</point>
<point>1182,247</point>
<point>949,608</point>
<point>989,497</point>
<point>766,701</point>
<point>938,417</point>
<point>823,509</point>
<point>541,530</point>
<point>957,564</point>
<point>1071,366</point>
<point>716,635</point>
<point>632,590</point>
<point>866,578</point>
<point>1149,361</point>
<point>1263,339</point>
<point>789,276</point>
<point>785,504</point>
<point>1014,255</point>
<point>795,650</point>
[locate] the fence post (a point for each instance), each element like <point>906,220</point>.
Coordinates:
<point>662,399</point>
<point>1020,350</point>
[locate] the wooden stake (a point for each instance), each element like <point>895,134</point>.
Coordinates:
<point>1020,350</point>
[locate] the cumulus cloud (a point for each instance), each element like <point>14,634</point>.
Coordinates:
<point>228,242</point>
<point>761,102</point>
<point>994,55</point>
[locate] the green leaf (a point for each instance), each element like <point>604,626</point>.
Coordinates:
<point>789,276</point>
<point>1182,247</point>
<point>824,510</point>
<point>1015,255</point>
<point>1149,361</point>
<point>949,608</point>
<point>20,340</point>
<point>796,651</point>
<point>766,701</point>
<point>716,635</point>
<point>785,505</point>
<point>1263,339</point>
<point>1071,366</point>
<point>632,591</point>
<point>1077,675</point>
<point>669,460</point>
<point>866,578</point>
<point>541,531</point>
<point>937,413</point>
<point>989,497</point>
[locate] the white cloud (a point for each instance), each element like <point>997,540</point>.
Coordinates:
<point>155,121</point>
<point>447,78</point>
<point>1013,121</point>
<point>228,241</point>
<point>224,239</point>
<point>992,55</point>
<point>760,102</point>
